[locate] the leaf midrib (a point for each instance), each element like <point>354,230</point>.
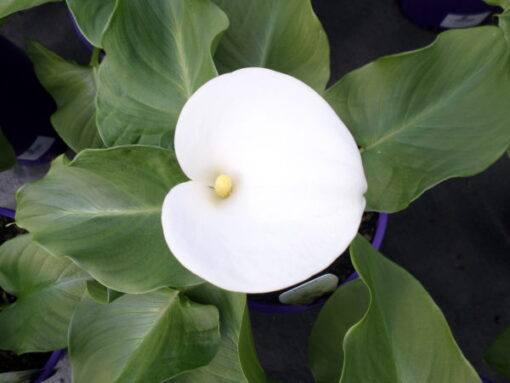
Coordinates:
<point>267,41</point>
<point>156,323</point>
<point>44,288</point>
<point>108,212</point>
<point>440,102</point>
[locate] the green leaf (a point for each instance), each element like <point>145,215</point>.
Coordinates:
<point>424,116</point>
<point>504,18</point>
<point>18,376</point>
<point>100,293</point>
<point>47,289</point>
<point>497,355</point>
<point>343,310</point>
<point>403,337</point>
<point>236,360</point>
<point>278,34</point>
<point>7,156</point>
<point>158,52</point>
<point>92,17</point>
<point>8,7</point>
<point>141,338</point>
<point>103,209</point>
<point>73,87</point>
<point>501,3</point>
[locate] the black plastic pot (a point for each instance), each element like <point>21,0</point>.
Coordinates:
<point>26,109</point>
<point>446,14</point>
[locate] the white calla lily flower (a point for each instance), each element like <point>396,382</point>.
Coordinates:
<point>276,190</point>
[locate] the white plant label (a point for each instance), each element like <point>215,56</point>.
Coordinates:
<point>309,291</point>
<point>38,148</point>
<point>463,21</point>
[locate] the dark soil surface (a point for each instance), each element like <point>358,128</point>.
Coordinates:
<point>31,361</point>
<point>9,361</point>
<point>8,229</point>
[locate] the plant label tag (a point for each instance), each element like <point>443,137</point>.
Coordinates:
<point>38,148</point>
<point>463,21</point>
<point>309,291</point>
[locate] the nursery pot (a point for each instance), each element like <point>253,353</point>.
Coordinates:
<point>26,109</point>
<point>446,14</point>
<point>80,35</point>
<point>280,308</point>
<point>55,356</point>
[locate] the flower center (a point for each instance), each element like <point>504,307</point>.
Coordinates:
<point>223,185</point>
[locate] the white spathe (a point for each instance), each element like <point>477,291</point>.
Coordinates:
<point>297,183</point>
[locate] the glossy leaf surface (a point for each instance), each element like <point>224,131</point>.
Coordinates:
<point>158,52</point>
<point>403,337</point>
<point>343,310</point>
<point>424,116</point>
<point>103,209</point>
<point>47,289</point>
<point>143,338</point>
<point>236,360</point>
<point>73,87</point>
<point>277,34</point>
<point>92,17</point>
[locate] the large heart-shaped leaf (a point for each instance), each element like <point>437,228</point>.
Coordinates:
<point>277,34</point>
<point>47,289</point>
<point>158,52</point>
<point>236,360</point>
<point>403,336</point>
<point>8,7</point>
<point>92,17</point>
<point>428,115</point>
<point>103,209</point>
<point>343,310</point>
<point>498,354</point>
<point>7,156</point>
<point>145,338</point>
<point>73,88</point>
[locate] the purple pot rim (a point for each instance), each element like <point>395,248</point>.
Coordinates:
<point>275,308</point>
<point>50,365</point>
<point>79,33</point>
<point>9,213</point>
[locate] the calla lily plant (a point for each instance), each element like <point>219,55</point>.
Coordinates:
<point>212,160</point>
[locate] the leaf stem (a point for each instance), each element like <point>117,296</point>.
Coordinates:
<point>94,60</point>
